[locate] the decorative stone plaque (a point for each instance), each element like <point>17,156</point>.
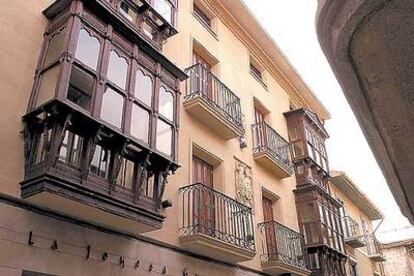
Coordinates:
<point>244,184</point>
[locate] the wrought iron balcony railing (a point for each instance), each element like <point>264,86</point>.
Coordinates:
<point>281,243</point>
<point>211,213</point>
<point>351,228</point>
<point>202,83</point>
<point>352,232</point>
<point>374,248</point>
<point>266,139</point>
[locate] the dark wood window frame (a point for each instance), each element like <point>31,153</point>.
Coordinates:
<point>316,148</point>
<point>128,93</point>
<point>257,73</point>
<point>171,123</point>
<point>202,16</point>
<point>166,29</point>
<point>174,6</point>
<point>53,113</point>
<point>205,20</point>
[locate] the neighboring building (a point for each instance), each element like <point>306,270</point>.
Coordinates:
<point>400,258</point>
<point>365,256</point>
<point>369,46</point>
<point>144,137</point>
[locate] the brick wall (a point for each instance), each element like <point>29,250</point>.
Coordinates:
<point>399,261</point>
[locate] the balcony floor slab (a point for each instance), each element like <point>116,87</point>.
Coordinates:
<point>269,162</point>
<point>211,247</point>
<point>277,267</point>
<point>355,242</point>
<point>81,203</point>
<point>199,108</point>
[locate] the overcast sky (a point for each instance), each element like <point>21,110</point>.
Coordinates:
<point>291,23</point>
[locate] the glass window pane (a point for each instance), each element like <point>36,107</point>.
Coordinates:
<point>63,153</point>
<point>164,8</point>
<point>126,174</point>
<point>48,85</point>
<point>143,88</point>
<point>140,123</point>
<point>164,137</point>
<point>166,104</point>
<point>202,16</point>
<point>56,45</point>
<point>100,162</point>
<point>148,187</point>
<point>126,11</point>
<point>87,50</point>
<point>71,149</point>
<point>42,146</point>
<point>298,150</point>
<point>80,88</point>
<point>148,30</point>
<point>112,107</point>
<point>117,70</point>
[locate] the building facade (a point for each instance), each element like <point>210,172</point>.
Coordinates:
<point>144,137</point>
<point>400,258</point>
<point>364,251</point>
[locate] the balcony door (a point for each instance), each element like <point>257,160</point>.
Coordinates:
<point>204,209</point>
<point>270,228</point>
<point>261,136</point>
<point>204,77</point>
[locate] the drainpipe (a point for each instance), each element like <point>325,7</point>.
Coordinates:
<point>376,228</point>
<point>381,265</point>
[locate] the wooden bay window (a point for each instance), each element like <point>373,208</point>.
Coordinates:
<point>102,114</point>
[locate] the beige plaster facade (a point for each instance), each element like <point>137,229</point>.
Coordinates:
<point>47,241</point>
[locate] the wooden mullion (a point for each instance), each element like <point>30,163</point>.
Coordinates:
<point>142,176</point>
<point>102,72</point>
<point>156,91</point>
<point>129,100</point>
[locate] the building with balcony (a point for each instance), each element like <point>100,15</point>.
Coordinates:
<point>146,137</point>
<point>357,213</point>
<point>368,45</point>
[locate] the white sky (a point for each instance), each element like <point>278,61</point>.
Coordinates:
<point>291,23</point>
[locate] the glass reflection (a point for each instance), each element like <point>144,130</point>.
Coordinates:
<point>87,50</point>
<point>164,137</point>
<point>164,8</point>
<point>117,69</point>
<point>55,48</point>
<point>139,123</point>
<point>143,88</point>
<point>112,107</point>
<point>166,104</point>
<point>80,88</point>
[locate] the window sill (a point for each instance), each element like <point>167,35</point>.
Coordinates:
<point>259,80</point>
<point>206,26</point>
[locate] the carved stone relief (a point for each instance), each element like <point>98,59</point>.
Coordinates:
<point>244,184</point>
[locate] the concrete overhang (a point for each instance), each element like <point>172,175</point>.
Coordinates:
<point>369,44</point>
<point>343,183</point>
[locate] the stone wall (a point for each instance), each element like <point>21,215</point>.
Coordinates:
<point>400,260</point>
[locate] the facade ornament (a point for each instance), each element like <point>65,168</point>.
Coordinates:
<point>244,184</point>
